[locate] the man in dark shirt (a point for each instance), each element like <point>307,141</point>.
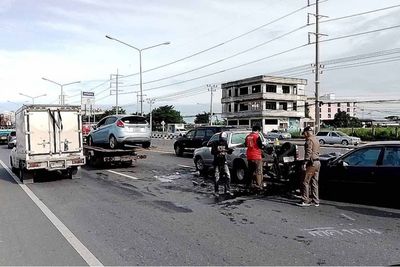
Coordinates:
<point>219,149</point>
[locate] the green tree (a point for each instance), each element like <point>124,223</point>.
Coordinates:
<point>202,118</point>
<point>343,120</point>
<point>110,112</point>
<point>168,114</point>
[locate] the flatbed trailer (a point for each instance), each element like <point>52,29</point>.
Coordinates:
<point>100,156</point>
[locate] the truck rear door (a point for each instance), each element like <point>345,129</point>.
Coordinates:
<point>68,134</point>
<point>38,127</point>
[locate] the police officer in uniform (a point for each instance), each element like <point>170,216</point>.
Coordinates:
<point>311,169</point>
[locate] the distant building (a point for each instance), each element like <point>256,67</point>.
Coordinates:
<point>271,102</point>
<point>329,106</point>
<point>7,119</point>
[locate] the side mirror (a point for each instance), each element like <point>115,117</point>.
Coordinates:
<point>94,127</point>
<point>344,164</point>
<point>204,143</point>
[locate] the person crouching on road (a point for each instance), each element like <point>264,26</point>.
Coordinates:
<point>219,149</point>
<point>254,157</point>
<point>311,169</point>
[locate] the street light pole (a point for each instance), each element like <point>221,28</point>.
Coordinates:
<point>62,99</point>
<point>151,102</point>
<point>32,97</point>
<point>140,64</point>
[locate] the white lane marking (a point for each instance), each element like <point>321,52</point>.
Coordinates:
<point>122,174</point>
<point>185,166</point>
<point>347,217</point>
<point>85,253</point>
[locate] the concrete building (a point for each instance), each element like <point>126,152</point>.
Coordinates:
<point>271,102</point>
<point>329,106</point>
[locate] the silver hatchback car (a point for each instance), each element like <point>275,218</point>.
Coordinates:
<point>118,130</point>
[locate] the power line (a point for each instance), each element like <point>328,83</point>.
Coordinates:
<point>225,58</point>
<point>224,42</point>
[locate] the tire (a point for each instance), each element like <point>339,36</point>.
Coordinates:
<point>179,151</point>
<point>345,142</point>
<point>200,166</point>
<point>112,142</point>
<point>146,145</point>
<point>240,172</point>
<point>280,137</point>
<point>21,173</point>
<point>321,142</point>
<point>90,140</point>
<point>13,169</point>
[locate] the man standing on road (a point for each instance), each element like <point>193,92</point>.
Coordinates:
<point>311,169</point>
<point>254,157</point>
<point>219,149</point>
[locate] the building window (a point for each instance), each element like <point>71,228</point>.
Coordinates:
<point>270,105</point>
<point>233,122</point>
<point>256,89</point>
<point>329,109</point>
<point>243,107</point>
<point>244,91</point>
<point>295,90</point>
<point>271,88</point>
<point>338,105</point>
<point>244,122</point>
<point>255,105</point>
<point>295,106</point>
<point>348,109</point>
<point>229,108</point>
<point>236,92</point>
<point>338,110</point>
<point>271,122</point>
<point>348,104</point>
<point>329,116</point>
<point>235,107</point>
<point>329,104</point>
<point>286,89</point>
<point>283,105</point>
<point>320,110</point>
<point>229,92</point>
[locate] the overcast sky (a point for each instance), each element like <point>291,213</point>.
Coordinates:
<point>65,41</point>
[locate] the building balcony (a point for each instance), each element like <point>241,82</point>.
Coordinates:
<point>264,96</point>
<point>264,113</point>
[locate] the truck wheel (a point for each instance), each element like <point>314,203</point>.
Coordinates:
<point>179,151</point>
<point>13,169</point>
<point>200,166</point>
<point>240,172</point>
<point>146,145</point>
<point>321,141</point>
<point>345,142</point>
<point>112,142</point>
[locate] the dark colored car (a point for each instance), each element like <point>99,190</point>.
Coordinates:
<point>195,138</point>
<point>371,170</point>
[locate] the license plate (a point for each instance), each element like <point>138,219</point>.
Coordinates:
<point>56,164</point>
<point>288,159</point>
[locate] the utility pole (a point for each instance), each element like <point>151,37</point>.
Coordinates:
<point>117,90</point>
<point>151,102</point>
<point>316,65</point>
<point>211,88</point>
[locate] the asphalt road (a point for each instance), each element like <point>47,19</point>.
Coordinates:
<point>160,212</point>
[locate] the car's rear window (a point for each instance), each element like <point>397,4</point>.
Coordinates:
<point>322,134</point>
<point>134,120</point>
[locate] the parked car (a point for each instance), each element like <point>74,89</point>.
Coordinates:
<point>337,137</point>
<point>276,158</point>
<point>374,167</point>
<point>179,132</point>
<point>277,134</point>
<point>12,139</point>
<point>195,138</point>
<point>118,130</point>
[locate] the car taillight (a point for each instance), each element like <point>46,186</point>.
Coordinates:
<point>120,123</point>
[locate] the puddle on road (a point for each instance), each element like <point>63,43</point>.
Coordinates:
<point>170,178</point>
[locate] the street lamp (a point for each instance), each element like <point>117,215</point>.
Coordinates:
<point>140,64</point>
<point>32,97</point>
<point>62,100</point>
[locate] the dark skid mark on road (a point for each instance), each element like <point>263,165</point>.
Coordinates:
<point>167,206</point>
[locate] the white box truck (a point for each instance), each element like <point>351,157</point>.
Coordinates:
<point>49,137</point>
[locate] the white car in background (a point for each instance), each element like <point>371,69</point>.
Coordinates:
<point>274,134</point>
